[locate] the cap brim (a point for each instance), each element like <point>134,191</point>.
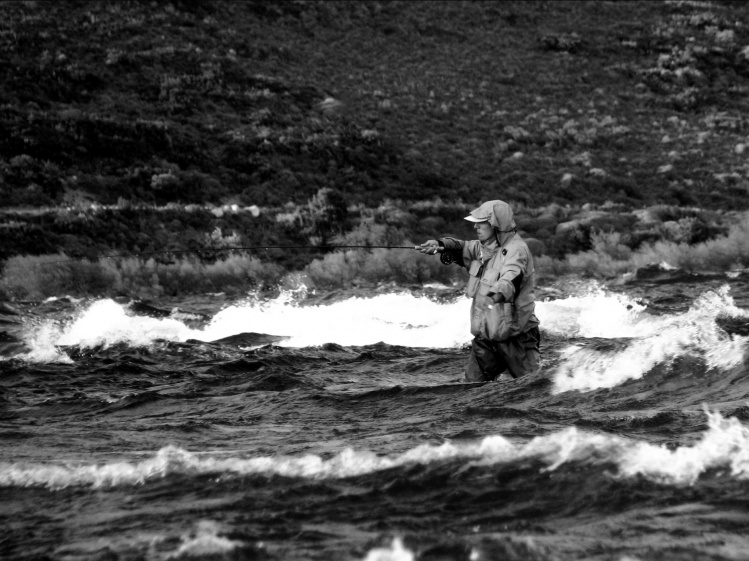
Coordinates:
<point>474,219</point>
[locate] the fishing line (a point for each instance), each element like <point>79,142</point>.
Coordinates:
<point>210,250</point>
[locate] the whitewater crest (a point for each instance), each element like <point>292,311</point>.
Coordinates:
<point>102,324</point>
<point>596,313</point>
<point>724,445</point>
<point>394,318</point>
<point>206,541</point>
<point>395,552</point>
<point>651,340</point>
<point>398,318</point>
<point>643,340</point>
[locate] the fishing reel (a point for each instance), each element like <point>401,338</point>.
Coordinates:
<point>447,257</point>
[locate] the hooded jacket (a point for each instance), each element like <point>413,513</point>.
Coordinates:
<point>500,266</point>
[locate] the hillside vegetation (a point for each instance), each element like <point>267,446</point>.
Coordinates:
<point>367,120</point>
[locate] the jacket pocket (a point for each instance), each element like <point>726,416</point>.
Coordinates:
<point>497,322</point>
<point>487,280</point>
<point>473,278</point>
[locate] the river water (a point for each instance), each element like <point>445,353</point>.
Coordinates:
<point>336,426</point>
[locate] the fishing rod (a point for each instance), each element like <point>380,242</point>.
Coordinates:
<point>232,248</point>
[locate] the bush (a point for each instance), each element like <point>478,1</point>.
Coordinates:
<point>38,277</point>
<point>610,258</point>
<point>344,269</point>
<point>369,233</point>
<point>595,264</point>
<point>323,217</point>
<point>54,275</point>
<point>336,270</point>
<point>610,244</point>
<point>719,254</point>
<point>235,274</point>
<point>549,268</point>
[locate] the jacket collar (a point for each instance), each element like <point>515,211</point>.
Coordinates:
<point>489,249</point>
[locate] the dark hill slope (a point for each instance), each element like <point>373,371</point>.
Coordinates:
<point>634,102</point>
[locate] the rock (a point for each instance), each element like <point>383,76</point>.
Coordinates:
<point>666,274</point>
<point>250,339</point>
<point>330,105</point>
<point>565,227</point>
<point>145,309</point>
<point>585,219</point>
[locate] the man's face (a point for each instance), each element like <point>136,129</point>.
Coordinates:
<point>484,231</point>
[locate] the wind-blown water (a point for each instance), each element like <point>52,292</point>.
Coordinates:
<point>338,426</point>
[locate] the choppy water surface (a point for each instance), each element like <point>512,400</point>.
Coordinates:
<point>336,426</point>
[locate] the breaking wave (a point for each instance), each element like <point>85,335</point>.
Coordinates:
<point>652,340</point>
<point>644,339</point>
<point>725,445</point>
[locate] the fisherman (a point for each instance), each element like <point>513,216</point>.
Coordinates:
<point>501,282</point>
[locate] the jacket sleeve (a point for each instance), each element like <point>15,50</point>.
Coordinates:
<point>513,270</point>
<point>469,250</point>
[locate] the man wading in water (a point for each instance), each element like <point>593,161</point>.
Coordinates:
<point>501,280</point>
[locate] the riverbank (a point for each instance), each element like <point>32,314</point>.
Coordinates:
<point>602,244</point>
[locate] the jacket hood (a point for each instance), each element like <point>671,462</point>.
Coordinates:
<point>497,213</point>
<point>499,216</point>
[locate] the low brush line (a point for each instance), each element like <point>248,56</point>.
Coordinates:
<point>244,248</point>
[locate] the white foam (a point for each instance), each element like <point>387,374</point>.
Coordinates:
<point>206,541</point>
<point>42,340</point>
<point>396,552</point>
<point>656,339</point>
<point>396,318</point>
<point>595,314</point>
<point>409,320</point>
<point>103,324</point>
<point>107,323</point>
<point>724,445</point>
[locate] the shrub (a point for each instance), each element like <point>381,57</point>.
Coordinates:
<point>344,269</point>
<point>719,254</point>
<point>548,268</point>
<point>336,270</point>
<point>322,217</point>
<point>610,258</point>
<point>241,272</point>
<point>593,263</point>
<point>40,277</point>
<point>392,213</point>
<point>610,244</point>
<point>369,233</point>
<point>235,273</point>
<point>568,42</point>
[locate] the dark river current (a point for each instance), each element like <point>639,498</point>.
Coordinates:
<point>337,427</point>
